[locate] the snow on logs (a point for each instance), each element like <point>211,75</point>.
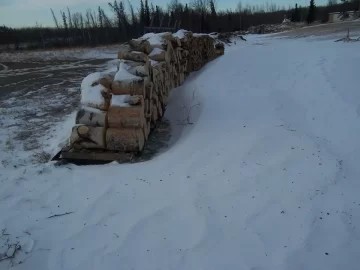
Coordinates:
<point>122,105</point>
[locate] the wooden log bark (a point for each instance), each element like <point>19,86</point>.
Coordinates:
<point>133,87</point>
<point>85,137</point>
<point>149,90</point>
<point>91,117</point>
<point>136,100</point>
<point>140,45</point>
<point>159,55</point>
<point>138,68</point>
<point>106,80</point>
<point>125,139</point>
<point>154,113</point>
<point>126,117</point>
<point>133,56</point>
<point>160,110</point>
<point>146,106</point>
<point>146,130</point>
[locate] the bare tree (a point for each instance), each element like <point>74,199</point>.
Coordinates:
<point>239,7</point>
<point>200,6</point>
<point>332,2</point>
<point>70,19</point>
<point>55,19</point>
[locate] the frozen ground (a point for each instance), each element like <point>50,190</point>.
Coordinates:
<point>34,96</point>
<point>325,31</point>
<point>103,52</point>
<point>265,178</point>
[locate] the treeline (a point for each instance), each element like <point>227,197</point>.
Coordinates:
<point>95,27</point>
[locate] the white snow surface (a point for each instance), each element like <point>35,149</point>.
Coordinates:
<point>120,100</point>
<point>267,177</point>
<point>155,51</point>
<point>91,96</point>
<point>180,33</point>
<point>123,75</point>
<point>91,79</point>
<point>154,39</point>
<point>91,89</point>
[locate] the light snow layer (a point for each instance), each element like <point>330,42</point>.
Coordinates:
<point>156,51</point>
<point>267,177</point>
<point>120,100</point>
<point>124,76</point>
<point>154,39</point>
<point>180,33</point>
<point>101,52</point>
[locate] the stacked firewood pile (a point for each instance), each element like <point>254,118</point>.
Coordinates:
<point>120,107</point>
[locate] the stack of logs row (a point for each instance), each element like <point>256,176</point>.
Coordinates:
<point>121,107</point>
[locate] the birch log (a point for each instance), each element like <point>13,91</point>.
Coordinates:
<point>131,87</point>
<point>140,45</point>
<point>133,56</point>
<point>91,117</point>
<point>85,137</point>
<point>125,117</point>
<point>125,139</point>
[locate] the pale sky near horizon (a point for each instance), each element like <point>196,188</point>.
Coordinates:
<point>18,13</point>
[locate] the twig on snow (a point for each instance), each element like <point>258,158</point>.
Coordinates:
<point>60,215</point>
<point>186,121</point>
<point>3,232</point>
<point>11,252</point>
<point>347,38</point>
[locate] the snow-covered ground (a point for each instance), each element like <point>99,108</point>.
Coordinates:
<point>265,178</point>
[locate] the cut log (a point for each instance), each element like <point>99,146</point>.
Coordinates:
<point>85,137</point>
<point>148,124</point>
<point>125,139</point>
<point>141,71</point>
<point>146,106</point>
<point>154,113</point>
<point>91,117</point>
<point>83,131</point>
<point>123,117</point>
<point>106,80</point>
<point>96,97</point>
<point>149,90</point>
<point>138,68</point>
<point>140,45</point>
<point>136,100</point>
<point>159,55</point>
<point>146,130</point>
<point>134,87</point>
<point>133,56</point>
<point>160,110</point>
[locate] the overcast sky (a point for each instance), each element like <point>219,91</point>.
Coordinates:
<point>17,13</point>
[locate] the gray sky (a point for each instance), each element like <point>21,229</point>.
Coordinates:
<point>17,13</point>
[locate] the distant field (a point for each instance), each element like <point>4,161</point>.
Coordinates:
<point>325,29</point>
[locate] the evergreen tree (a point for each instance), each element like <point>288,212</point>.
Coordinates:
<point>296,15</point>
<point>212,9</point>
<point>213,16</point>
<point>147,13</point>
<point>156,15</point>
<point>142,13</point>
<point>312,12</point>
<point>185,18</point>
